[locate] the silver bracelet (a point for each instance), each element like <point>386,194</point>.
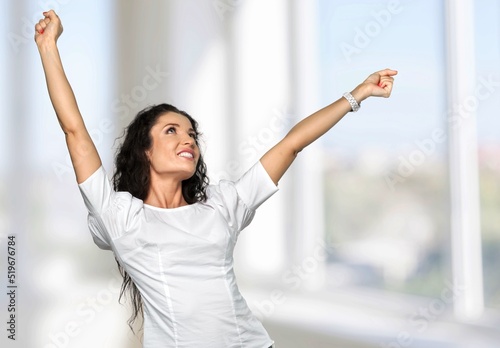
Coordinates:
<point>354,104</point>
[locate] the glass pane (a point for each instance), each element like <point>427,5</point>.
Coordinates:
<point>487,15</point>
<point>386,177</point>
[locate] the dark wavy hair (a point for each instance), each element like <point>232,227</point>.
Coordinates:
<point>132,175</point>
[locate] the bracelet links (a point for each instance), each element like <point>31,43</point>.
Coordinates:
<point>354,104</point>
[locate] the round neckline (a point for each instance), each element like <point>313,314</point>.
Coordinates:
<point>169,209</point>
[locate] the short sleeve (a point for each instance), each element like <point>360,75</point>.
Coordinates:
<point>98,195</point>
<point>237,201</point>
<point>97,192</point>
<point>255,186</point>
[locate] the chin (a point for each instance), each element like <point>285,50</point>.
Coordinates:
<point>189,175</point>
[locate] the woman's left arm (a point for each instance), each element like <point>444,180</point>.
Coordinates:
<point>279,158</point>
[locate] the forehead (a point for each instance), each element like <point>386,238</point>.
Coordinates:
<point>175,118</point>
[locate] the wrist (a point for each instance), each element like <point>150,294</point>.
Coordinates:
<point>360,93</point>
<point>352,101</point>
<point>46,45</point>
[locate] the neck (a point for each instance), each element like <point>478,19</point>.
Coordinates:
<point>165,193</point>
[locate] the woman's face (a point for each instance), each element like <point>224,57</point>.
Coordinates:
<point>174,152</point>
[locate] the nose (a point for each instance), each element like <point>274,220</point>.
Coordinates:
<point>188,140</point>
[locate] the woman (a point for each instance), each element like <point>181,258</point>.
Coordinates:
<point>173,234</point>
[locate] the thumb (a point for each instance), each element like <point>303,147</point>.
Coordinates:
<point>388,72</point>
<point>50,15</point>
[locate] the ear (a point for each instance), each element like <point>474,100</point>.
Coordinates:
<point>149,153</point>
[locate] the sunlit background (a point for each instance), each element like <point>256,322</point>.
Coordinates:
<point>385,233</point>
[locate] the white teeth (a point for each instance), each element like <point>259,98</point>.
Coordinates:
<point>186,154</point>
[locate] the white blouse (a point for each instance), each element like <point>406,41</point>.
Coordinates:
<point>181,259</point>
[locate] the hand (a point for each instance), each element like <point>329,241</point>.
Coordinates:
<point>378,84</point>
<point>48,29</point>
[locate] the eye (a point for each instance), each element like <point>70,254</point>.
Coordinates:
<point>194,135</point>
<point>170,130</point>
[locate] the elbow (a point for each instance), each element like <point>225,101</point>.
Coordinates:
<point>291,147</point>
<point>296,147</point>
<point>295,152</point>
<point>71,131</point>
<point>293,144</point>
<point>69,128</point>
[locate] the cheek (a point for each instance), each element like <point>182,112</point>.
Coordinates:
<point>158,158</point>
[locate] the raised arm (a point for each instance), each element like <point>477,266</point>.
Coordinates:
<point>279,158</point>
<point>82,150</point>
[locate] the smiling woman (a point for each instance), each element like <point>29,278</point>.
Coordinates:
<point>173,158</point>
<point>143,162</point>
<point>172,234</point>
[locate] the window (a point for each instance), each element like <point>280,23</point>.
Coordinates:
<point>387,176</point>
<point>487,19</point>
<point>387,180</point>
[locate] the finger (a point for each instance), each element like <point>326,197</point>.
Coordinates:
<point>388,89</point>
<point>386,79</point>
<point>387,72</point>
<point>50,14</point>
<point>42,23</point>
<point>39,28</point>
<point>387,84</point>
<point>382,84</point>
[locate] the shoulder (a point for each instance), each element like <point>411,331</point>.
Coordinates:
<point>252,188</point>
<point>223,190</point>
<point>100,196</point>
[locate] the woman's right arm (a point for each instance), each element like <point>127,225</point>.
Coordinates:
<point>81,148</point>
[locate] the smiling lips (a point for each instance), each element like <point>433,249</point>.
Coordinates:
<point>186,154</point>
